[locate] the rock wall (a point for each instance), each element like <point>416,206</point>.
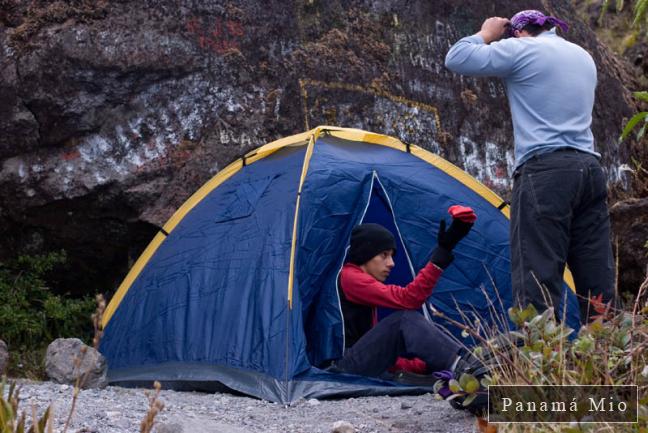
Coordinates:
<point>113,113</point>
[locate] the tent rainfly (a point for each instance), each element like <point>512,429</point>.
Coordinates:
<point>238,290</point>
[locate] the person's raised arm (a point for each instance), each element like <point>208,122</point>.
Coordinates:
<point>477,55</point>
<point>361,288</point>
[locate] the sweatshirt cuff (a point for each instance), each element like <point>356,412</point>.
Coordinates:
<point>476,39</point>
<point>441,257</point>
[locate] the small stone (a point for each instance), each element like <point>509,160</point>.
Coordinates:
<point>406,405</point>
<point>343,427</point>
<point>313,402</point>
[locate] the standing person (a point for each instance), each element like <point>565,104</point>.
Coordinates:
<point>372,347</point>
<point>559,212</point>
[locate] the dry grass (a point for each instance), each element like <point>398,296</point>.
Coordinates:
<point>611,350</point>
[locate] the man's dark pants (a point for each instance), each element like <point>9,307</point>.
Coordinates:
<point>559,215</point>
<point>403,333</point>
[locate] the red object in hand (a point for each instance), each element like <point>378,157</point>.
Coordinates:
<point>463,213</point>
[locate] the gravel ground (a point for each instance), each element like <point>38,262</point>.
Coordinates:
<point>120,410</point>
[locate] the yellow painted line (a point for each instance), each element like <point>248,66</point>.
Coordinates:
<point>368,90</point>
<point>304,101</point>
<point>293,246</point>
<point>132,274</point>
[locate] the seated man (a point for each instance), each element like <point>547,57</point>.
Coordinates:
<point>373,347</point>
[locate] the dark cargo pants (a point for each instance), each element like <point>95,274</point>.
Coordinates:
<point>403,333</point>
<point>559,215</point>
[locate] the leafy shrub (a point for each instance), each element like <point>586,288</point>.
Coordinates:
<point>639,24</point>
<point>640,120</point>
<point>31,316</point>
<point>611,350</point>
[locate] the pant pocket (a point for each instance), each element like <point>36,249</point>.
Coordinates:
<point>555,192</point>
<point>598,184</point>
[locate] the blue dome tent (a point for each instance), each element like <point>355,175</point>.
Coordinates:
<point>238,290</point>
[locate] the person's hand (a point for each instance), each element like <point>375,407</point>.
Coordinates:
<point>494,28</point>
<point>463,219</point>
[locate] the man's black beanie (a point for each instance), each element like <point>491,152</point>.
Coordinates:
<point>369,240</point>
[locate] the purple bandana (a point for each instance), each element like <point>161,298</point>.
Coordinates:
<point>531,16</point>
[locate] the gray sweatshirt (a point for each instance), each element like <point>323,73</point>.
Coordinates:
<point>550,85</point>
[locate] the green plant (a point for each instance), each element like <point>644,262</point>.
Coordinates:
<point>637,119</point>
<point>611,350</point>
<point>13,421</point>
<point>31,316</point>
<point>605,5</point>
<point>639,24</point>
<point>27,363</point>
<point>639,11</point>
<point>640,8</point>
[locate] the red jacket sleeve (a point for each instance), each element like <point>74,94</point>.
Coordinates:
<point>362,288</point>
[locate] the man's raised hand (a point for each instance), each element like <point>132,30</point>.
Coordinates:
<point>494,28</point>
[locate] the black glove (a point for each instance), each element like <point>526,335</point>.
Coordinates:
<point>448,239</point>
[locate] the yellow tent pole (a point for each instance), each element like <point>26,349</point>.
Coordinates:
<point>307,158</point>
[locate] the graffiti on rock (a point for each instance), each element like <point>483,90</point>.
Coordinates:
<point>493,169</point>
<point>219,35</point>
<point>71,155</point>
